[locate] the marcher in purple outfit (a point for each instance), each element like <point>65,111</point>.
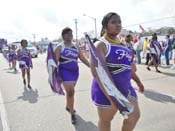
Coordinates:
<point>12,57</point>
<point>25,62</point>
<point>155,51</point>
<point>67,54</point>
<point>119,61</point>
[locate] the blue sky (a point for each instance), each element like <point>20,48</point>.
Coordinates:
<point>46,18</point>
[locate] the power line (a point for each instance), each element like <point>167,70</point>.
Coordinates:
<point>150,21</point>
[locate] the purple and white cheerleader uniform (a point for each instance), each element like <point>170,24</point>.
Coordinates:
<point>12,55</point>
<point>24,59</point>
<point>68,63</point>
<point>118,60</point>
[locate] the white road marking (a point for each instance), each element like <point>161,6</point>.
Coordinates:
<point>4,118</point>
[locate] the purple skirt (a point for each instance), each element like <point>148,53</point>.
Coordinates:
<point>12,57</point>
<point>69,76</point>
<point>24,63</point>
<point>101,100</point>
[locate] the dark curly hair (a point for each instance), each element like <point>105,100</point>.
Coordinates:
<point>65,31</point>
<point>23,41</point>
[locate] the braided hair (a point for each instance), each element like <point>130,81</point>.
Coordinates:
<point>105,21</point>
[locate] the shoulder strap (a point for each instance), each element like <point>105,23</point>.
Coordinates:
<point>107,44</point>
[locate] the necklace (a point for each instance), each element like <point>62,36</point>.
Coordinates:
<point>116,41</point>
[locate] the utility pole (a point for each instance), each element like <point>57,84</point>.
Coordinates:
<point>76,21</point>
<point>34,36</point>
<point>95,23</point>
<point>95,20</point>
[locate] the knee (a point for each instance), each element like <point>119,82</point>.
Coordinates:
<point>134,118</point>
<point>23,75</point>
<point>105,123</point>
<point>28,74</point>
<point>70,93</point>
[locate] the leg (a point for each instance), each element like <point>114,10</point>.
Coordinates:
<point>155,62</point>
<point>138,56</point>
<point>167,57</point>
<point>69,88</point>
<point>14,65</point>
<point>9,65</point>
<point>143,54</point>
<point>23,76</point>
<point>28,77</point>
<point>147,58</point>
<point>150,63</point>
<point>105,117</point>
<point>130,123</point>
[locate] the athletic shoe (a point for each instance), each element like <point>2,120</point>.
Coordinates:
<point>158,71</point>
<point>148,68</point>
<point>73,119</point>
<point>29,86</point>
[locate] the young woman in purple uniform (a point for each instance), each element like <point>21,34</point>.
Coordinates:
<point>119,61</point>
<point>12,57</point>
<point>67,54</point>
<point>25,62</point>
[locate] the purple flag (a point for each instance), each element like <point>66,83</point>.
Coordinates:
<point>122,103</point>
<point>54,79</point>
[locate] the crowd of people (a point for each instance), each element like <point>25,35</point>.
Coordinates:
<point>149,51</point>
<point>152,50</point>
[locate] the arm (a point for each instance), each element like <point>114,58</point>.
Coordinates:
<point>160,47</point>
<point>83,59</point>
<point>30,57</point>
<point>57,52</point>
<point>18,53</point>
<point>136,78</point>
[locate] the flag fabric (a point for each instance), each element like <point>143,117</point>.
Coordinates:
<point>143,30</point>
<point>54,78</point>
<point>107,83</point>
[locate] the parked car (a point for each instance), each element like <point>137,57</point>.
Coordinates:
<point>33,50</point>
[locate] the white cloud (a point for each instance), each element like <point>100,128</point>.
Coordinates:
<point>46,18</point>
